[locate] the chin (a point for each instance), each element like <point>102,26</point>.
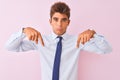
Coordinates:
<point>58,33</point>
<point>61,33</point>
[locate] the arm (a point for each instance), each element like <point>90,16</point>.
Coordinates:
<point>92,42</point>
<point>97,44</point>
<point>18,43</point>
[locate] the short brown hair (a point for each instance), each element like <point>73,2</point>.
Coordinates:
<point>60,7</point>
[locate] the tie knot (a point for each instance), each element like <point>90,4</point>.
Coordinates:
<point>60,38</point>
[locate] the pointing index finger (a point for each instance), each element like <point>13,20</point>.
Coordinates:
<point>78,41</point>
<point>41,40</point>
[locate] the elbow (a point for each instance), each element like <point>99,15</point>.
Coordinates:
<point>7,47</point>
<point>108,50</point>
<point>10,48</point>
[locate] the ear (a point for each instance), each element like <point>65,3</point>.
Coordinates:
<point>50,20</point>
<point>68,22</point>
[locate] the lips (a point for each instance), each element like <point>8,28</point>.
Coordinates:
<point>59,28</point>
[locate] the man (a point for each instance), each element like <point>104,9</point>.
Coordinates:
<point>59,63</point>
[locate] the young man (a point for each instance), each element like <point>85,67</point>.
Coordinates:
<point>59,52</point>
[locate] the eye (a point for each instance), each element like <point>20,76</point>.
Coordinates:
<point>64,19</point>
<point>55,19</point>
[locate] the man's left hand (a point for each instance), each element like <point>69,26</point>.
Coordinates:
<point>85,36</point>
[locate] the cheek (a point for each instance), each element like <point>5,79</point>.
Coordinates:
<point>53,27</point>
<point>53,24</point>
<point>66,26</point>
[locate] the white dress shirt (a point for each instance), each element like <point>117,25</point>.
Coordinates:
<point>69,56</point>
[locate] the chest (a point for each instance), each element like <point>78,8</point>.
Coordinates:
<point>68,48</point>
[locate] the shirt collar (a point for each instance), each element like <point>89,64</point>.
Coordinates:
<point>54,36</point>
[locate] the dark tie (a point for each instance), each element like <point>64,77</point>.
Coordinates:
<point>56,65</point>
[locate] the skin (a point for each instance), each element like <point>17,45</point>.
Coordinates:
<point>33,35</point>
<point>59,23</point>
<point>85,37</point>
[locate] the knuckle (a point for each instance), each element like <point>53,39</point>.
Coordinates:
<point>35,33</point>
<point>39,33</point>
<point>29,36</point>
<point>81,35</point>
<point>87,34</point>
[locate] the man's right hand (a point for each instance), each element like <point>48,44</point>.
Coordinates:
<point>33,35</point>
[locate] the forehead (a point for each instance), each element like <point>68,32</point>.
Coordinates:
<point>59,15</point>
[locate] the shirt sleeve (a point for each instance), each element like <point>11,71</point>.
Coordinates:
<point>98,44</point>
<point>18,43</point>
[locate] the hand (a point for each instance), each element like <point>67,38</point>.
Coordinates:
<point>85,36</point>
<point>33,35</point>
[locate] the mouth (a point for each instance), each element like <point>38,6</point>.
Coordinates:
<point>59,30</point>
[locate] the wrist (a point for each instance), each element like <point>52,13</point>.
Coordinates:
<point>23,30</point>
<point>92,30</point>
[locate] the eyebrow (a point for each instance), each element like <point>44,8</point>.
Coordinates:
<point>62,18</point>
<point>55,18</point>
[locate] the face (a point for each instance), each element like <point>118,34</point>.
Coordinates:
<point>59,23</point>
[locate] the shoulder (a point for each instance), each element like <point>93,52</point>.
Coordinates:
<point>70,38</point>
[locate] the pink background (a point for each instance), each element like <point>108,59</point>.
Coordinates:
<point>102,15</point>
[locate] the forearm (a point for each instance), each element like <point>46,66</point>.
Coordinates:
<point>14,41</point>
<point>98,44</point>
<point>17,43</point>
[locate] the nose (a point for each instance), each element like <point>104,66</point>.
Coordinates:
<point>59,23</point>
